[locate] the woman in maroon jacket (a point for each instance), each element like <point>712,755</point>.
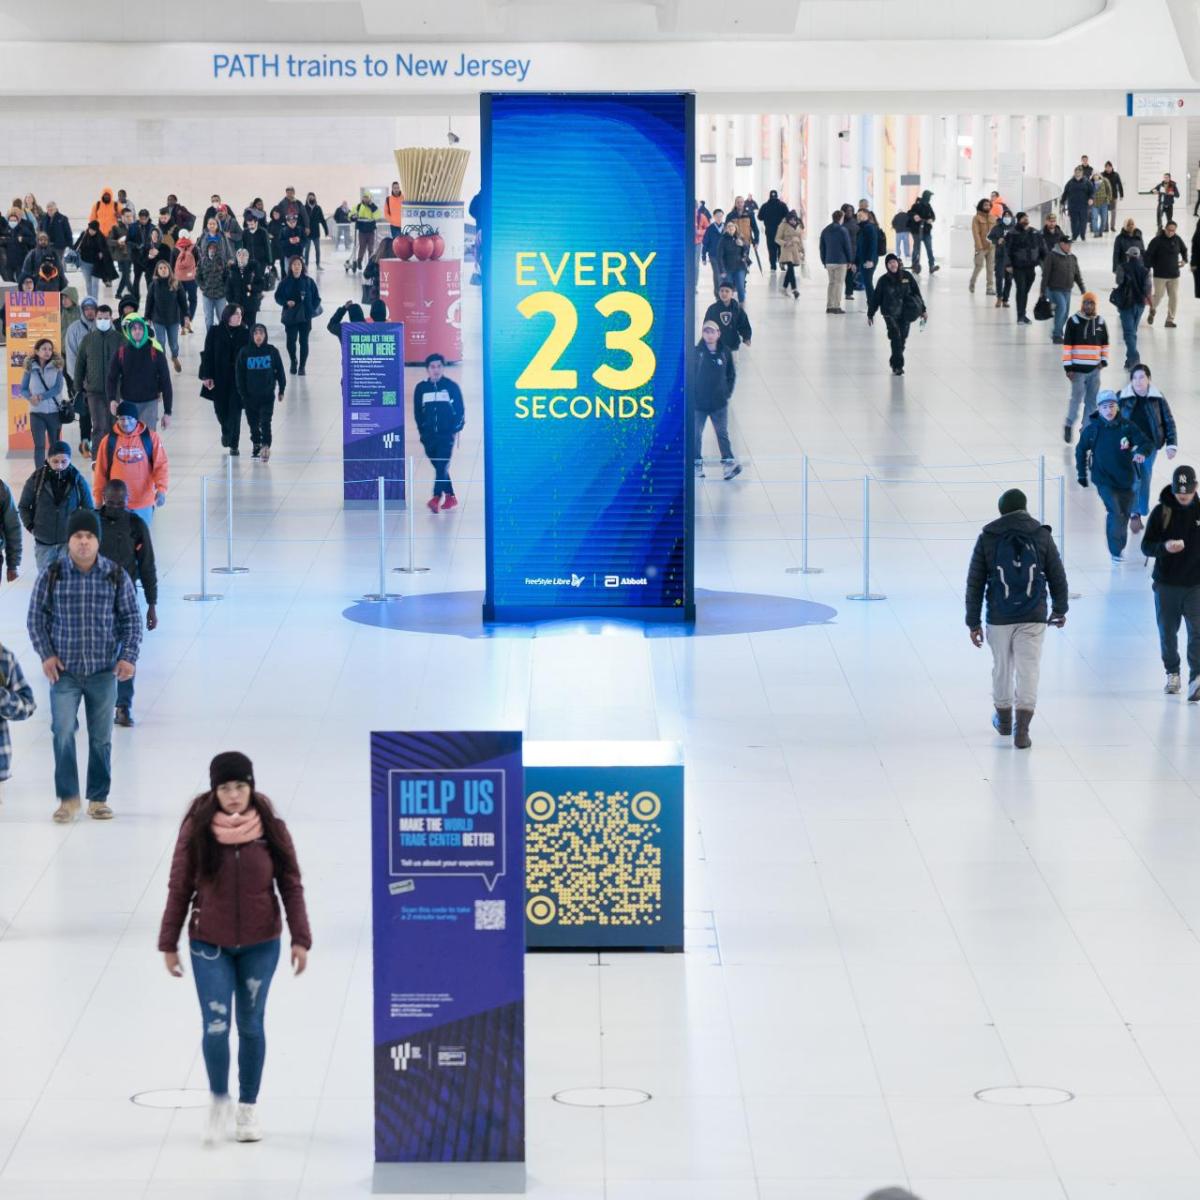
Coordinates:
<point>232,855</point>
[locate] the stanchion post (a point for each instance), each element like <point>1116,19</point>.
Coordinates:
<point>204,593</point>
<point>383,594</point>
<point>1042,489</point>
<point>866,593</point>
<point>804,568</point>
<point>412,568</point>
<point>1062,530</point>
<point>229,568</point>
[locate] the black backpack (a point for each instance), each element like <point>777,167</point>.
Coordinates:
<point>1017,584</point>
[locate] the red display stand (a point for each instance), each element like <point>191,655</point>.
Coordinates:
<point>427,297</point>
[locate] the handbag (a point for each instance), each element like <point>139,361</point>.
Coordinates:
<point>271,278</point>
<point>1043,310</point>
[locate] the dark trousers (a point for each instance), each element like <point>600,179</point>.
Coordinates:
<point>1079,223</point>
<point>923,236</point>
<point>720,424</point>
<point>897,331</point>
<point>867,276</point>
<point>366,245</point>
<point>772,248</point>
<point>101,416</point>
<point>1004,282</point>
<point>312,245</point>
<point>124,283</point>
<point>298,334</point>
<point>789,275</point>
<point>138,275</point>
<point>258,417</point>
<point>1119,505</point>
<point>191,291</point>
<point>228,410</point>
<point>1172,604</point>
<point>1024,277</point>
<point>441,477</point>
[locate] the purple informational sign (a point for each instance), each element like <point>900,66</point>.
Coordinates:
<point>372,410</point>
<point>448,879</point>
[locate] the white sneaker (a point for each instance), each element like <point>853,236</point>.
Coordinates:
<point>1173,685</point>
<point>218,1121</point>
<point>248,1128</point>
<point>1194,690</point>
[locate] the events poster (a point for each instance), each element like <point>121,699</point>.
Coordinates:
<point>29,317</point>
<point>449,941</point>
<point>372,410</point>
<point>588,301</point>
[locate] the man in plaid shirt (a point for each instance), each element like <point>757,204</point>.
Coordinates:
<point>85,626</point>
<point>16,703</point>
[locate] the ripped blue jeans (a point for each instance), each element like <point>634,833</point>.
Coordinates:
<point>234,980</point>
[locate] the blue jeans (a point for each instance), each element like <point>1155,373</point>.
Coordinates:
<point>923,237</point>
<point>1099,219</point>
<point>214,306</point>
<point>738,279</point>
<point>168,337</point>
<point>46,429</point>
<point>237,977</point>
<point>903,243</point>
<point>125,694</point>
<point>1131,318</point>
<point>191,291</point>
<point>147,514</point>
<point>1062,310</point>
<point>866,276</point>
<point>98,693</point>
<point>1141,504</point>
<point>1119,505</point>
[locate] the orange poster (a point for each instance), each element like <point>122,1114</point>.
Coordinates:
<point>29,316</point>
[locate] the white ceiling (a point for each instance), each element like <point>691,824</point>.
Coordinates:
<point>252,23</point>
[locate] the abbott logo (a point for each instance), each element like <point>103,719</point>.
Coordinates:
<point>403,1054</point>
<point>390,440</point>
<point>612,581</point>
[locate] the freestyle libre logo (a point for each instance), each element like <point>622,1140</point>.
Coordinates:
<point>259,65</point>
<point>632,364</point>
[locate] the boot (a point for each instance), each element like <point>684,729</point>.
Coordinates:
<point>1021,736</point>
<point>1002,721</point>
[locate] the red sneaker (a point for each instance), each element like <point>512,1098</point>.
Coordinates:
<point>432,504</point>
<point>450,501</point>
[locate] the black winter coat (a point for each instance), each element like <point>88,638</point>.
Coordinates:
<point>245,286</point>
<point>1121,244</point>
<point>1151,414</point>
<point>1163,255</point>
<point>47,503</point>
<point>1075,195</point>
<point>165,304</point>
<point>713,378</point>
<point>125,540</point>
<point>1171,521</point>
<point>259,245</point>
<point>980,580</point>
<point>772,214</point>
<point>897,296</point>
<point>15,244</point>
<point>58,228</point>
<point>307,299</point>
<point>1023,247</point>
<point>218,360</point>
<point>438,409</point>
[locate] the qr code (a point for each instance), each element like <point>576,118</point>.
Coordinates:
<point>489,914</point>
<point>593,858</point>
<point>388,400</point>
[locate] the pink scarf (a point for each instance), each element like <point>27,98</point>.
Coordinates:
<point>237,829</point>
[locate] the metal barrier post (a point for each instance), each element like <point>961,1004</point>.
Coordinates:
<point>204,593</point>
<point>412,568</point>
<point>1062,518</point>
<point>804,568</point>
<point>866,593</point>
<point>383,595</point>
<point>229,568</point>
<point>1042,489</point>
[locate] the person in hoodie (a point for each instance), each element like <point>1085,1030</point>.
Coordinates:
<point>43,386</point>
<point>315,223</point>
<point>211,271</point>
<point>218,372</point>
<point>1112,449</point>
<point>1060,270</point>
<point>244,285</point>
<point>184,266</point>
<point>1165,255</point>
<point>45,264</point>
<point>1022,252</point>
<point>713,377</point>
<point>138,376</point>
<point>135,454</point>
<point>1132,296</point>
<point>1084,356</point>
<point>921,218</point>
<point>125,540</point>
<point>292,241</point>
<point>257,241</point>
<point>57,228</point>
<point>166,309</point>
<point>95,259</point>
<point>73,339</point>
<point>1144,405</point>
<point>772,214</point>
<point>17,239</point>
<point>1013,564</point>
<point>711,245</point>
<point>106,212</point>
<point>50,495</point>
<point>300,301</point>
<point>998,236</point>
<point>898,296</point>
<point>439,414</point>
<point>259,372</point>
<point>1077,199</point>
<point>92,362</point>
<point>730,317</point>
<point>1172,539</point>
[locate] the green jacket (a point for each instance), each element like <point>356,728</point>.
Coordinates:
<point>1104,192</point>
<point>95,354</point>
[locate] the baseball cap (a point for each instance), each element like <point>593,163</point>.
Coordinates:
<point>1183,479</point>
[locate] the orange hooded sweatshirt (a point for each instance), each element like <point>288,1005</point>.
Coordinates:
<point>144,478</point>
<point>106,213</point>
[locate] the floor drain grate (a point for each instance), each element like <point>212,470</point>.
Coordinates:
<point>602,1097</point>
<point>172,1098</point>
<point>1024,1097</point>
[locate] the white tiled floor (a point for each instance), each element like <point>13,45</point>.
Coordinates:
<point>889,909</point>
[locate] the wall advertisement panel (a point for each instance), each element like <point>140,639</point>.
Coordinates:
<point>29,317</point>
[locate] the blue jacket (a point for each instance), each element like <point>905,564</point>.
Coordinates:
<point>710,243</point>
<point>1076,193</point>
<point>835,245</point>
<point>866,249</point>
<point>1108,447</point>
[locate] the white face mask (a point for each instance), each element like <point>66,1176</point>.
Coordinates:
<point>104,324</point>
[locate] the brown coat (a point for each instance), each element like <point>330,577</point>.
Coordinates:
<point>981,226</point>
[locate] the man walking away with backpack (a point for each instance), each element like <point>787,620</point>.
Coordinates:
<point>85,626</point>
<point>1014,561</point>
<point>125,540</point>
<point>1172,539</point>
<point>1131,296</point>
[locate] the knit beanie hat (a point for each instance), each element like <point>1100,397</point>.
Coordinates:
<point>59,448</point>
<point>1014,500</point>
<point>1088,296</point>
<point>230,766</point>
<point>127,408</point>
<point>378,310</point>
<point>83,520</point>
